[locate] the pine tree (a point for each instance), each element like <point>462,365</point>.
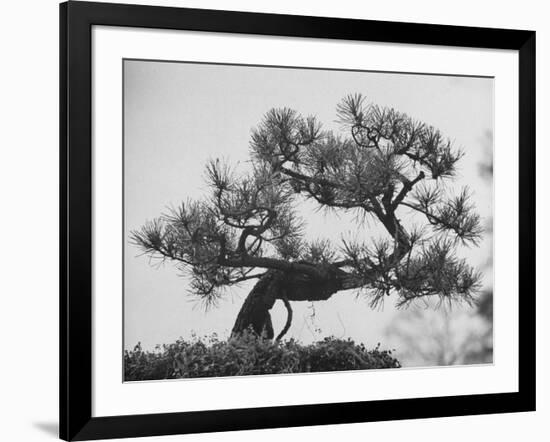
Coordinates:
<point>382,165</point>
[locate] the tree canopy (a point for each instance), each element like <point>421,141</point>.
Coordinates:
<point>381,164</point>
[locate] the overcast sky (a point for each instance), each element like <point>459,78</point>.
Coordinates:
<point>179,115</point>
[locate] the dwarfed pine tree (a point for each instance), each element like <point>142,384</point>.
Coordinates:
<point>382,165</point>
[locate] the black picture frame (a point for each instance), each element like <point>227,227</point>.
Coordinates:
<point>76,21</point>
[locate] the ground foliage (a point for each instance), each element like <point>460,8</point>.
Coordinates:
<point>250,355</point>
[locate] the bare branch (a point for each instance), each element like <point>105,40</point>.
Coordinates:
<point>288,319</point>
<point>407,187</point>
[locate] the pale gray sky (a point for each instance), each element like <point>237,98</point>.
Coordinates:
<point>179,115</point>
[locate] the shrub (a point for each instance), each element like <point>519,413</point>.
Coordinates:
<point>250,355</point>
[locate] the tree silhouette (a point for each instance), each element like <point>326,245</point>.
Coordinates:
<point>381,165</point>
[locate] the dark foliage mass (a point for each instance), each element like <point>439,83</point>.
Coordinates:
<point>250,355</point>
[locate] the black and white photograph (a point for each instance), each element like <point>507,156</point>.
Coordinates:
<point>243,221</point>
<point>288,220</point>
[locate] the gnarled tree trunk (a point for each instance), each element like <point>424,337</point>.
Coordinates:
<point>287,287</point>
<point>255,310</point>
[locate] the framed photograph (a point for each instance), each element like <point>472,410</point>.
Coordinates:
<point>272,220</point>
